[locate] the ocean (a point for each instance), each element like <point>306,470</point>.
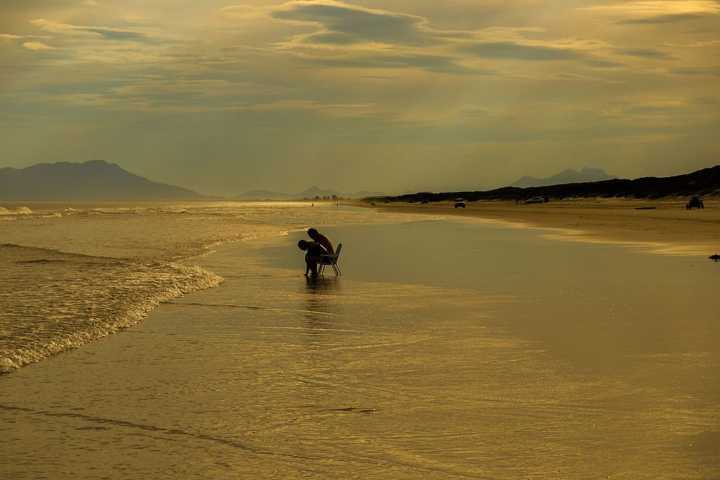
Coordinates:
<point>182,341</point>
<point>73,274</point>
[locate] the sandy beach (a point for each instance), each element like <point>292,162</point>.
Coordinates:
<point>514,354</point>
<point>664,225</point>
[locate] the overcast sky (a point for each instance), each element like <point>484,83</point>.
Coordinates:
<point>383,95</point>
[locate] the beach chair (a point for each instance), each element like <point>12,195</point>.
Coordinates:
<point>332,261</point>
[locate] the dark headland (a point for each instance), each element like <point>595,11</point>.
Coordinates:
<point>702,182</point>
<point>650,211</point>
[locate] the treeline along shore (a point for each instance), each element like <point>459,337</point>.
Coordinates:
<point>702,182</point>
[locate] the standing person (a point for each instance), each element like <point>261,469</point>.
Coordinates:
<point>322,240</point>
<point>312,256</point>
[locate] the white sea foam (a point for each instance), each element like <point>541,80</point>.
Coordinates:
<point>63,301</point>
<point>18,211</point>
<point>68,280</point>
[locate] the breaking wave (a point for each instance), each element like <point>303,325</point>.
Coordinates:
<point>72,274</point>
<point>18,211</point>
<point>59,301</point>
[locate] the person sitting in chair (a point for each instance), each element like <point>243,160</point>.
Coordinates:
<point>322,240</point>
<point>313,253</point>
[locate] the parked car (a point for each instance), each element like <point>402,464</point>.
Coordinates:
<point>460,203</point>
<point>695,202</point>
<point>532,200</point>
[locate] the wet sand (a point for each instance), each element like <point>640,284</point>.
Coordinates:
<point>664,223</point>
<point>511,355</point>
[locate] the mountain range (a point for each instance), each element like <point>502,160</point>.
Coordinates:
<point>98,180</point>
<point>587,174</point>
<point>89,181</point>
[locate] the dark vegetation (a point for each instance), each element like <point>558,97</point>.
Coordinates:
<point>703,182</point>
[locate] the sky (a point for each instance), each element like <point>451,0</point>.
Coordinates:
<point>392,96</point>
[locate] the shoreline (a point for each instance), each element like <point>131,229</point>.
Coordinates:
<point>274,375</point>
<point>663,226</point>
<point>131,315</point>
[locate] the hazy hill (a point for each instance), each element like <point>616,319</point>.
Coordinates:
<point>702,182</point>
<point>263,195</point>
<point>311,192</point>
<point>587,174</point>
<point>95,180</point>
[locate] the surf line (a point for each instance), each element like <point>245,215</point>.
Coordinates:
<point>247,307</point>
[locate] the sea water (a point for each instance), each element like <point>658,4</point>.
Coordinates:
<point>448,349</point>
<point>73,274</point>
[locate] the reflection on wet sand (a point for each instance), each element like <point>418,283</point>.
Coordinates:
<point>497,359</point>
<point>320,297</point>
<point>322,307</point>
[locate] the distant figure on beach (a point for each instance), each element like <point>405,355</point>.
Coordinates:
<point>313,253</point>
<point>322,240</point>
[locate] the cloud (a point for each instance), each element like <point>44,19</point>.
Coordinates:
<point>535,52</point>
<point>433,63</point>
<point>656,107</point>
<point>649,53</point>
<point>344,24</point>
<point>333,109</point>
<point>37,46</point>
<point>242,12</point>
<point>350,36</point>
<point>661,19</point>
<point>696,44</point>
<point>658,8</point>
<point>93,31</point>
<point>658,12</point>
<point>697,71</point>
<point>516,51</point>
<point>480,84</point>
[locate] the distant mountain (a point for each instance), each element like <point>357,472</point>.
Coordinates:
<point>311,192</point>
<point>95,180</point>
<point>258,195</point>
<point>702,182</point>
<point>587,174</point>
<point>262,195</point>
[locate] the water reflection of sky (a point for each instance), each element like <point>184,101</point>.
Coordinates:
<point>597,303</point>
<point>447,350</point>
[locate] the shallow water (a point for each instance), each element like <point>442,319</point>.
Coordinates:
<point>447,350</point>
<point>73,274</point>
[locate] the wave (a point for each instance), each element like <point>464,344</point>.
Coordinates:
<point>61,301</point>
<point>127,260</point>
<point>18,211</point>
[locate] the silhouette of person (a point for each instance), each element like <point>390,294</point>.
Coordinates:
<point>322,240</point>
<point>313,252</point>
